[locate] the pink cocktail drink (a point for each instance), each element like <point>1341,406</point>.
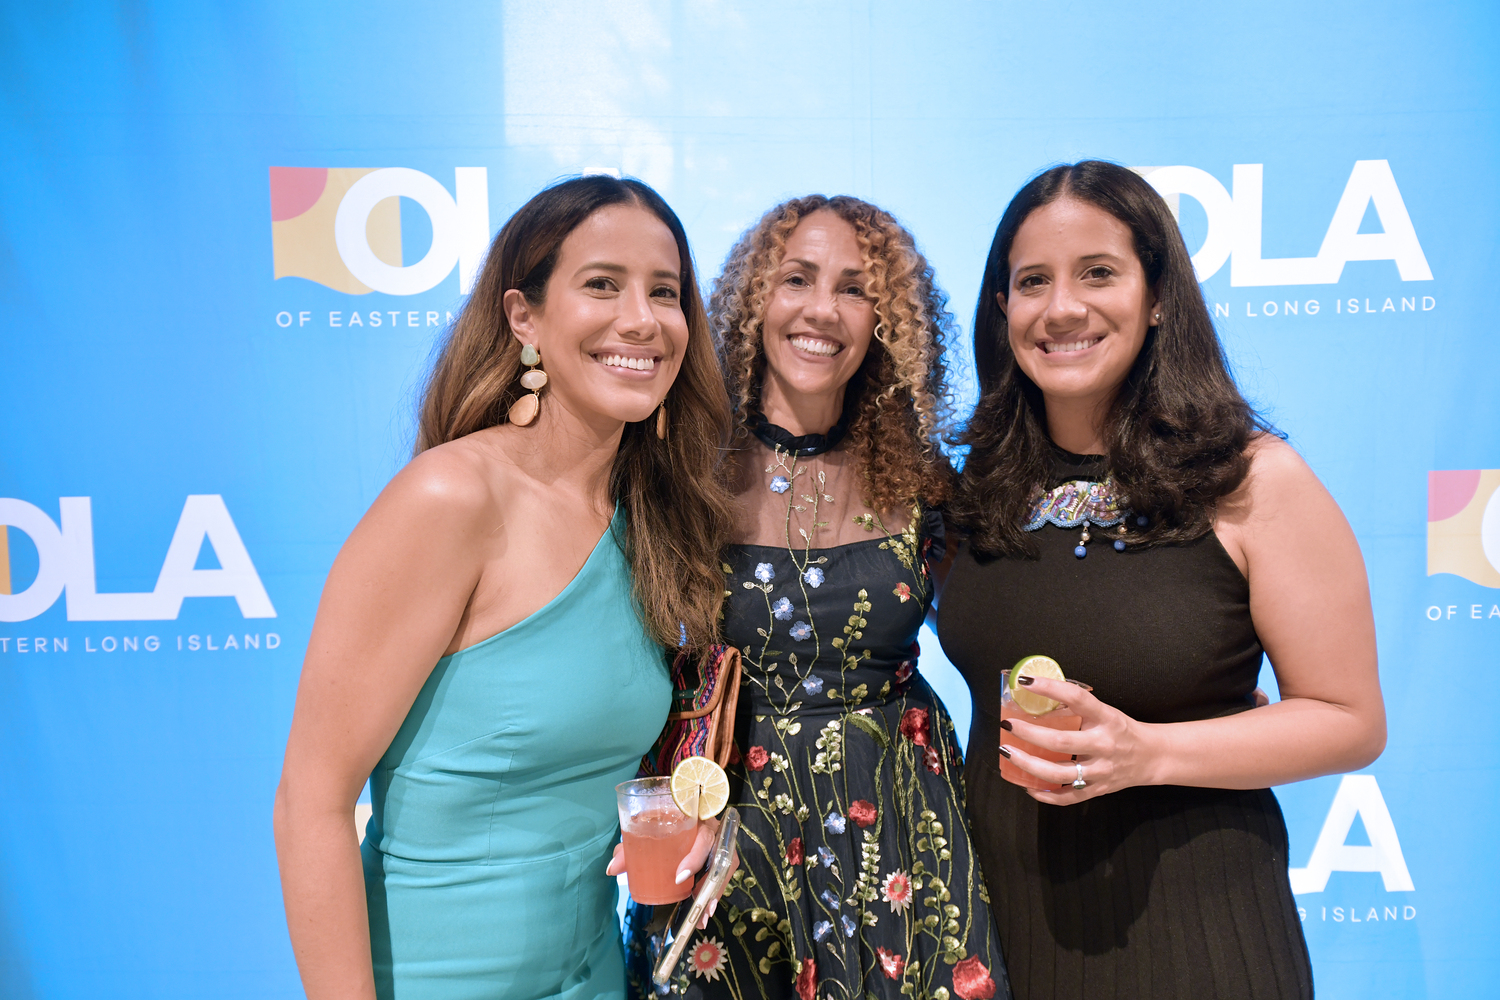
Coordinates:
<point>1061,718</point>
<point>657,836</point>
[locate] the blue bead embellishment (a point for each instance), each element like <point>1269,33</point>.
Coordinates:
<point>1143,520</point>
<point>1119,545</point>
<point>1080,551</point>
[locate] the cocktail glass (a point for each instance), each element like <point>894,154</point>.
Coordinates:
<point>1061,718</point>
<point>657,836</point>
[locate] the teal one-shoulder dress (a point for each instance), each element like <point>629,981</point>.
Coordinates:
<point>494,808</point>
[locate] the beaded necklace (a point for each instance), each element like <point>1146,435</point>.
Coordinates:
<point>1080,502</point>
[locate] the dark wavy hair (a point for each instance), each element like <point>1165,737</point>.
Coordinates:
<point>678,512</point>
<point>898,402</point>
<point>1176,431</point>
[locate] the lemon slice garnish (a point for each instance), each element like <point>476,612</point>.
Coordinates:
<point>700,787</point>
<point>1034,666</point>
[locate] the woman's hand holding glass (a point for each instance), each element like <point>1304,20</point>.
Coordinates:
<point>692,863</point>
<point>1114,750</point>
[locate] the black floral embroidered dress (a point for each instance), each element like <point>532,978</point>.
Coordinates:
<point>857,878</point>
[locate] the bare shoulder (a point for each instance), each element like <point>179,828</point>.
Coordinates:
<point>1280,499</point>
<point>453,488</point>
<point>1278,481</point>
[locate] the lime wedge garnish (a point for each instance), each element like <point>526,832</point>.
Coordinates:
<point>1034,666</point>
<point>700,787</point>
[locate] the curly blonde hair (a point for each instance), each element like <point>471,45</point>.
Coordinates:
<point>898,402</point>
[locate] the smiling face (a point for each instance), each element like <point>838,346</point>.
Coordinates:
<point>1078,305</point>
<point>611,330</point>
<point>818,324</point>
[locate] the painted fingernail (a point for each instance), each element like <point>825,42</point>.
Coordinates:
<point>1005,725</point>
<point>1025,680</point>
<point>1005,753</point>
<point>713,907</point>
<point>683,876</point>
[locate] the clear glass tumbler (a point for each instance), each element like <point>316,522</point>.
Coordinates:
<point>657,836</point>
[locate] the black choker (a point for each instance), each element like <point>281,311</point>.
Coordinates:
<point>805,444</point>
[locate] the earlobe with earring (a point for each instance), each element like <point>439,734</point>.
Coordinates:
<point>661,420</point>
<point>1156,320</point>
<point>524,410</point>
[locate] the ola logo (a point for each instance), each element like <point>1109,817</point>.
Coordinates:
<point>341,227</point>
<point>1234,226</point>
<point>1463,524</point>
<point>65,563</point>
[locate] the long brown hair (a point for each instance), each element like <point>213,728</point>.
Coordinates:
<point>1177,430</point>
<point>898,401</point>
<point>678,514</point>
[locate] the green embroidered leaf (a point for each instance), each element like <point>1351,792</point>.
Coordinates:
<point>871,730</point>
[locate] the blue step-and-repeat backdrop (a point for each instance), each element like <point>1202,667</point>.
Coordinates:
<point>231,234</point>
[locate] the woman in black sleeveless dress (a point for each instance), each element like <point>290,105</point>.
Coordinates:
<point>857,875</point>
<point>1130,516</point>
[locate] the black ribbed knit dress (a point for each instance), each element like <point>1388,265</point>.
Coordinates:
<point>1151,892</point>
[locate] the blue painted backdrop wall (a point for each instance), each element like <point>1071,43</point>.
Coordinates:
<point>151,355</point>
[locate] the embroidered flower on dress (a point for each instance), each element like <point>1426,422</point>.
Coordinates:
<point>782,609</point>
<point>814,577</point>
<point>830,898</point>
<point>896,890</point>
<point>849,925</point>
<point>834,823</point>
<point>780,484</point>
<point>813,685</point>
<point>807,979</point>
<point>822,929</point>
<point>756,758</point>
<point>765,572</point>
<point>862,812</point>
<point>891,963</point>
<point>914,726</point>
<point>825,857</point>
<point>903,672</point>
<point>971,980</point>
<point>902,591</point>
<point>933,761</point>
<point>794,852</point>
<point>707,958</point>
<point>801,630</point>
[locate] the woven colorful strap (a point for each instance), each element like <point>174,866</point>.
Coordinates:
<point>694,686</point>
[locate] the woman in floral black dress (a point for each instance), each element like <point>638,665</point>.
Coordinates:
<point>857,877</point>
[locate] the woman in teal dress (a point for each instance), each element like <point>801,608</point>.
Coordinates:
<point>488,648</point>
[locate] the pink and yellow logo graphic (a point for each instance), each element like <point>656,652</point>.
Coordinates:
<point>1463,524</point>
<point>341,227</point>
<point>304,203</point>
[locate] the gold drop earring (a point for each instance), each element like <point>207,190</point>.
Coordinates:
<point>524,410</point>
<point>661,420</point>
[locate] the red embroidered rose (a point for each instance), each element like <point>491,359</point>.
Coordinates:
<point>891,963</point>
<point>757,758</point>
<point>794,853</point>
<point>971,980</point>
<point>807,979</point>
<point>934,762</point>
<point>862,812</point>
<point>914,726</point>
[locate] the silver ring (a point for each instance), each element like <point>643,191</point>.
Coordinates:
<point>1078,782</point>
